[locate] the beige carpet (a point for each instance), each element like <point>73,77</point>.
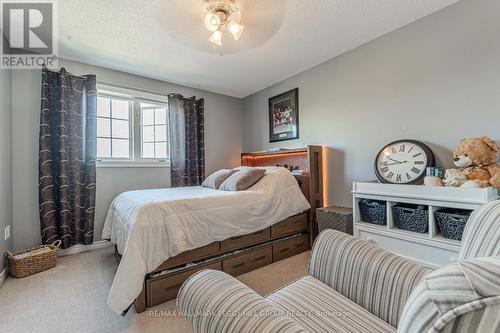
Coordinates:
<point>72,297</point>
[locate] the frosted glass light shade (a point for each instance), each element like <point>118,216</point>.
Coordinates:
<point>235,29</point>
<point>216,37</point>
<point>211,21</point>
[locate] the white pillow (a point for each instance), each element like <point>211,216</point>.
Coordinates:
<point>215,180</point>
<point>242,179</point>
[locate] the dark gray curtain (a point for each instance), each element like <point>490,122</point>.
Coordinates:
<point>187,143</point>
<point>67,156</point>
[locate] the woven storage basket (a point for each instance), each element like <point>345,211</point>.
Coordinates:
<point>411,217</point>
<point>34,260</point>
<point>452,222</point>
<point>337,218</point>
<point>373,211</point>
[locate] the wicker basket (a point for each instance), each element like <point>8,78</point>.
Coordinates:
<point>452,222</point>
<point>373,211</point>
<point>37,259</point>
<point>337,218</point>
<point>411,217</point>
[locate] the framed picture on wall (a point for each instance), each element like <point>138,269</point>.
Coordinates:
<point>284,116</point>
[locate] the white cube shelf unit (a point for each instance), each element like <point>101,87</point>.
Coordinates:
<point>429,249</point>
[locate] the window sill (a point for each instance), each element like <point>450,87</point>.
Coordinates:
<point>132,164</point>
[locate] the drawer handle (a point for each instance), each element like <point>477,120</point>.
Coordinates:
<point>285,249</point>
<point>239,265</point>
<point>260,258</point>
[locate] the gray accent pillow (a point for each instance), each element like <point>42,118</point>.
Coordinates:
<point>242,179</point>
<point>217,178</point>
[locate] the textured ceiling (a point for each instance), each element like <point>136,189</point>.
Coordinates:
<point>166,40</point>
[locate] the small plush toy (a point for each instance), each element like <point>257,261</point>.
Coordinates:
<point>433,181</point>
<point>477,159</point>
<point>455,178</point>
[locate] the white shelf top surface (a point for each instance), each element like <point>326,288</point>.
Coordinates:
<point>451,194</point>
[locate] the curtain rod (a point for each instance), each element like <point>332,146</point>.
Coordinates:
<point>114,84</point>
<point>50,70</point>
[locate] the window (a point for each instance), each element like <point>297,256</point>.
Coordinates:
<point>113,128</point>
<point>132,127</point>
<point>154,131</point>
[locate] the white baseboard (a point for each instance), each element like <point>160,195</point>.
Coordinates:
<point>3,276</point>
<point>102,244</point>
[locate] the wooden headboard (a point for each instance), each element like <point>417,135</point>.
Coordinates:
<point>309,160</point>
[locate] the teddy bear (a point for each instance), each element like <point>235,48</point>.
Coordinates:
<point>477,159</point>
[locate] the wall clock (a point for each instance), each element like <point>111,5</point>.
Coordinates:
<point>404,162</point>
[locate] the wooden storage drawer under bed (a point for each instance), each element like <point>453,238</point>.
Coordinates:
<point>249,261</point>
<point>165,288</point>
<point>291,225</point>
<point>290,247</point>
<point>246,240</point>
<point>189,256</point>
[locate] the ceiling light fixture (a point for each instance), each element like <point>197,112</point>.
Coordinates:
<point>222,15</point>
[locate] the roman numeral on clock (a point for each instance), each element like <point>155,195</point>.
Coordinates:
<point>398,177</point>
<point>384,169</point>
<point>419,162</point>
<point>408,176</point>
<point>402,148</point>
<point>416,170</point>
<point>390,175</point>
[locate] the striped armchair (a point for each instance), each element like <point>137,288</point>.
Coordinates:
<point>353,286</point>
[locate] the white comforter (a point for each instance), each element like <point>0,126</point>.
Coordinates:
<point>151,226</point>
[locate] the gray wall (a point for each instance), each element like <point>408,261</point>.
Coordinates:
<point>223,145</point>
<point>436,80</point>
<point>5,163</point>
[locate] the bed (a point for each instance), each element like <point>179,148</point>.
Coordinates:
<point>163,236</point>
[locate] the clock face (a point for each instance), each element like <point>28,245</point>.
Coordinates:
<point>403,162</point>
